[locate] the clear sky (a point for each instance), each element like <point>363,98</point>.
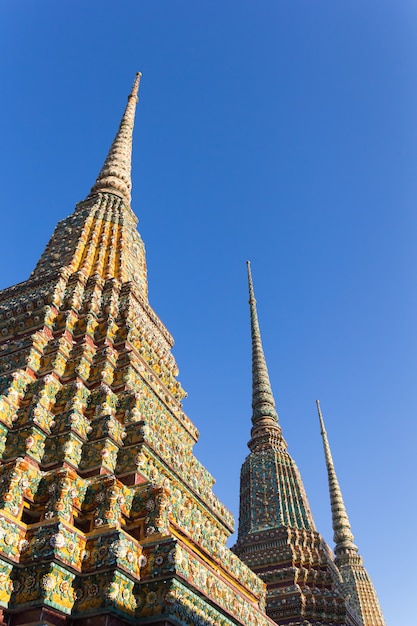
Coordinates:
<point>284,132</point>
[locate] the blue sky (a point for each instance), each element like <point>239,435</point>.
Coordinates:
<point>283,132</point>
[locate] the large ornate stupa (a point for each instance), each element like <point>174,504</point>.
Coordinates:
<point>106,516</point>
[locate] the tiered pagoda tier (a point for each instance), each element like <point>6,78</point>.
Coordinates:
<point>106,516</point>
<point>277,537</point>
<point>356,580</point>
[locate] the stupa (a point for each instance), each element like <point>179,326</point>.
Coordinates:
<point>106,516</point>
<point>277,536</point>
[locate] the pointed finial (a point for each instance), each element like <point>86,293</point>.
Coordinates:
<point>135,86</point>
<point>251,292</point>
<point>264,415</point>
<point>322,428</point>
<point>115,175</point>
<point>343,537</point>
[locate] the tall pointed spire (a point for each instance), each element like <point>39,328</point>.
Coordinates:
<point>264,414</point>
<point>115,175</point>
<point>359,590</point>
<point>343,537</point>
<point>277,537</point>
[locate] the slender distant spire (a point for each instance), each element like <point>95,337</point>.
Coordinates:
<point>343,537</point>
<point>359,590</point>
<point>115,175</point>
<point>264,414</point>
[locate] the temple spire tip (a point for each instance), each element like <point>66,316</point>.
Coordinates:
<point>250,283</point>
<point>323,430</point>
<point>115,175</point>
<point>135,87</point>
<point>265,430</point>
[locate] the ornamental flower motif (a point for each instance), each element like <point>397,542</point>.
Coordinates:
<point>142,560</point>
<point>171,556</point>
<point>47,582</point>
<point>159,560</point>
<point>170,597</point>
<point>119,549</point>
<point>30,582</point>
<point>151,598</point>
<point>64,586</point>
<point>135,415</point>
<point>92,590</point>
<point>57,541</point>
